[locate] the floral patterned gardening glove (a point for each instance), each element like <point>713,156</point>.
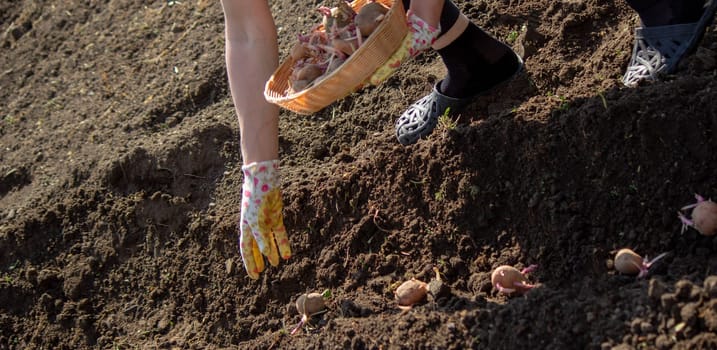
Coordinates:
<point>420,37</point>
<point>261,224</point>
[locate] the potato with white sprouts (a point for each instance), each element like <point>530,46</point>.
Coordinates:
<point>703,217</point>
<point>309,305</point>
<point>509,280</point>
<point>410,293</point>
<point>630,263</point>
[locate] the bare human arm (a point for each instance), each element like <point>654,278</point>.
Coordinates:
<point>251,58</point>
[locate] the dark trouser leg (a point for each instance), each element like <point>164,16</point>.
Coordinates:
<point>665,12</point>
<point>475,62</point>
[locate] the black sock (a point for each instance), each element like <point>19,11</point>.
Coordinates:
<point>666,12</point>
<point>476,62</point>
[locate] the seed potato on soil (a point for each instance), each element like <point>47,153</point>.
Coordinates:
<point>703,216</point>
<point>509,280</point>
<point>308,305</point>
<point>410,292</point>
<point>630,263</point>
<point>120,185</point>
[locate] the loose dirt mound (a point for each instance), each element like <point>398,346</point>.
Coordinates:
<point>119,185</point>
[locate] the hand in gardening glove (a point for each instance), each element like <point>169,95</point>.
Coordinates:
<point>261,224</point>
<point>420,37</point>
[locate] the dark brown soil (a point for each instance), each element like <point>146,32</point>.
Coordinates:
<point>120,185</point>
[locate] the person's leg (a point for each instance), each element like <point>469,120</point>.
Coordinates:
<point>666,12</point>
<point>475,62</point>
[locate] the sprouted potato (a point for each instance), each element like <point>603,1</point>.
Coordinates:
<point>507,279</point>
<point>410,293</point>
<point>308,305</point>
<point>630,263</point>
<point>329,44</point>
<point>369,17</point>
<point>703,216</point>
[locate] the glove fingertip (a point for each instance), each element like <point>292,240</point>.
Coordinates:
<point>259,265</point>
<point>252,274</point>
<point>252,270</point>
<point>284,247</point>
<point>285,251</point>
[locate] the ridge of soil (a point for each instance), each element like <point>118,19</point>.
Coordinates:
<point>120,188</point>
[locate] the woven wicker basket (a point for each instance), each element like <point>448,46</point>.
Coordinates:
<point>348,77</point>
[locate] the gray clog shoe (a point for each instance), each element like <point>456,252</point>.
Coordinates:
<point>421,118</point>
<point>658,50</point>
